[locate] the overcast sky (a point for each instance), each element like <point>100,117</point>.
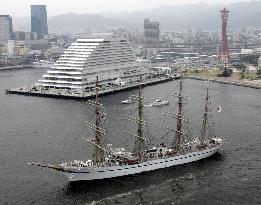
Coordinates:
<point>21,8</point>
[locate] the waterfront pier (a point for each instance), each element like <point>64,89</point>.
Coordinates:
<point>55,93</point>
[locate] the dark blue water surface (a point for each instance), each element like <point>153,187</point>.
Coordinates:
<point>50,130</point>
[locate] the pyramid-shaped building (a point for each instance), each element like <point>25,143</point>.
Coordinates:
<point>109,58</point>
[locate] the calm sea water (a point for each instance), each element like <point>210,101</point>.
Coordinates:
<point>50,130</point>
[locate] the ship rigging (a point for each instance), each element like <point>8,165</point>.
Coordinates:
<point>108,162</point>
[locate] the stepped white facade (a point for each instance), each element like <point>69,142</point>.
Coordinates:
<point>109,58</point>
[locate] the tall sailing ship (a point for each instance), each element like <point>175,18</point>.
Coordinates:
<point>108,162</point>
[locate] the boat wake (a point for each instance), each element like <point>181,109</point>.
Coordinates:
<point>140,195</point>
<point>149,105</point>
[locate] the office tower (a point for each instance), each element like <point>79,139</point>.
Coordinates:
<point>39,20</point>
<point>151,32</point>
<point>6,28</point>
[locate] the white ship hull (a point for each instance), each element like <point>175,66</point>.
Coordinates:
<point>89,173</point>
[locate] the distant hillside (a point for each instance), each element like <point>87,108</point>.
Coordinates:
<point>76,23</point>
<point>197,16</point>
<point>171,17</point>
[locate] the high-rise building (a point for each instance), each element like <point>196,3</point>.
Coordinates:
<point>151,32</point>
<point>39,20</point>
<point>6,28</point>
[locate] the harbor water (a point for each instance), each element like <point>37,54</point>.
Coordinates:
<point>51,130</point>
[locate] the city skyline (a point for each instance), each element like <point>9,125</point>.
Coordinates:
<point>99,6</point>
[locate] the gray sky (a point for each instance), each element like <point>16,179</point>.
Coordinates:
<point>21,8</point>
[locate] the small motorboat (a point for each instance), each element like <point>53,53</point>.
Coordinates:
<point>128,101</point>
<point>160,102</point>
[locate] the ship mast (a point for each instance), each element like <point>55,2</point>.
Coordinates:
<point>98,157</point>
<point>179,116</point>
<point>205,119</point>
<point>140,140</point>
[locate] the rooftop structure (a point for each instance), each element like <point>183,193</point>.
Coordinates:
<point>109,58</point>
<point>39,20</point>
<point>6,28</point>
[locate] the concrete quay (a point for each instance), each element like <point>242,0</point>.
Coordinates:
<point>15,67</point>
<point>250,84</point>
<point>84,95</point>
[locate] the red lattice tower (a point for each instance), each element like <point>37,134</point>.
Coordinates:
<point>223,49</point>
